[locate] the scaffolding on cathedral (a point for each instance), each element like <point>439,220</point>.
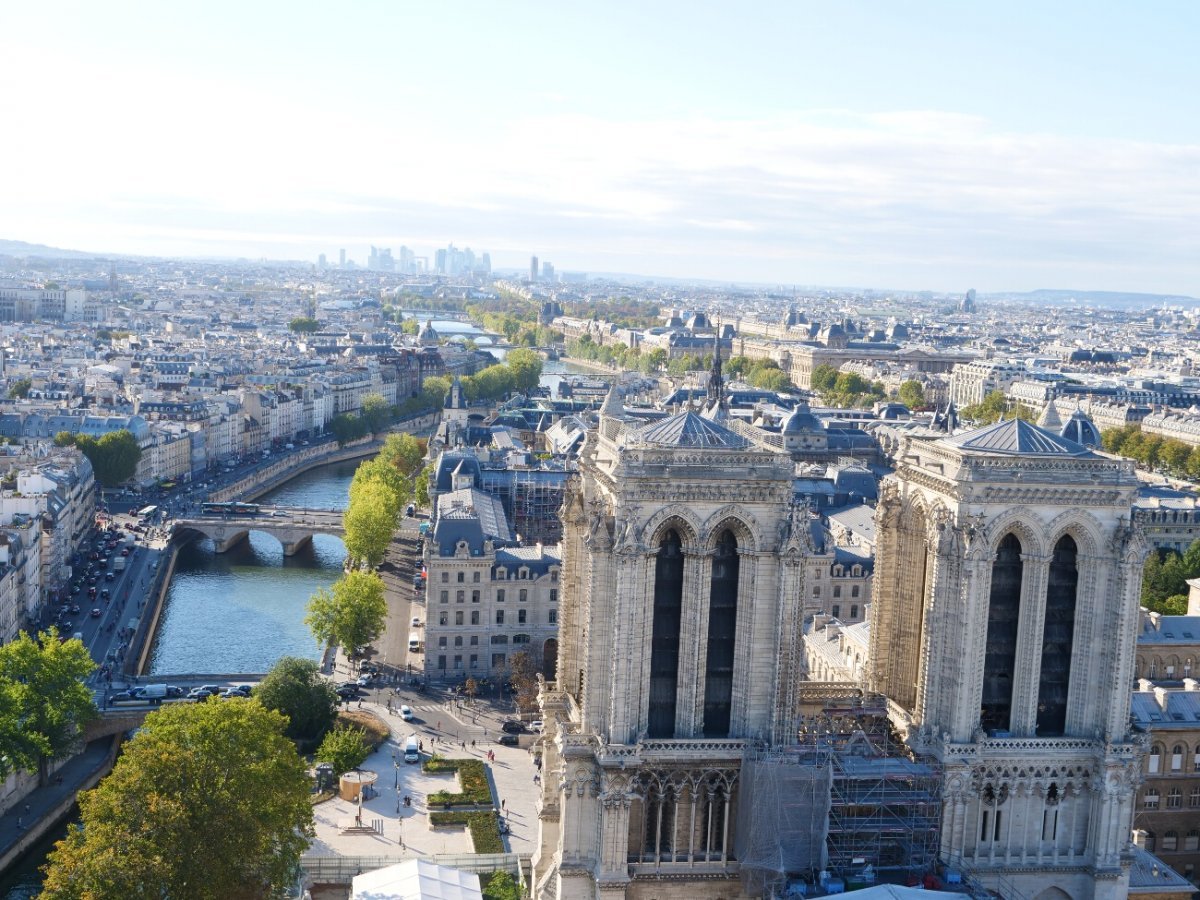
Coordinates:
<point>885,808</point>
<point>847,801</point>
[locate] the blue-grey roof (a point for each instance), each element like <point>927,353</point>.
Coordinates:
<point>1151,875</point>
<point>1016,437</point>
<point>1172,630</point>
<point>687,429</point>
<point>1080,429</point>
<point>469,515</point>
<point>1183,709</point>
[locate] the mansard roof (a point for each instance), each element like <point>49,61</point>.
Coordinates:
<point>687,429</point>
<point>1016,437</point>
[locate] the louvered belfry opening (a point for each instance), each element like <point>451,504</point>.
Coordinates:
<point>722,633</point>
<point>1058,634</point>
<point>1004,611</point>
<point>664,638</point>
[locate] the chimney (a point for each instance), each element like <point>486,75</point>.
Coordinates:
<point>1145,684</point>
<point>1156,620</point>
<point>1163,696</point>
<point>1191,684</point>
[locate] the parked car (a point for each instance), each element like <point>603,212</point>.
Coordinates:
<point>95,612</point>
<point>416,621</point>
<point>509,740</point>
<point>406,713</point>
<point>513,727</point>
<point>122,695</point>
<point>537,726</point>
<point>174,691</point>
<point>348,691</point>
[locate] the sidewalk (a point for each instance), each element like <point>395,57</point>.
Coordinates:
<point>42,801</point>
<point>511,775</point>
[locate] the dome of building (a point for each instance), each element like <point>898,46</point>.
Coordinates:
<point>801,420</point>
<point>427,334</point>
<point>1080,429</point>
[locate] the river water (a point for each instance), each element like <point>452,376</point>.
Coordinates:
<point>240,611</point>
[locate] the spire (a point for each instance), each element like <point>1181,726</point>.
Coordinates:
<point>612,406</point>
<point>716,384</point>
<point>1049,418</point>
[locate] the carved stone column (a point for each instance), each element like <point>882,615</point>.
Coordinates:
<point>1026,678</point>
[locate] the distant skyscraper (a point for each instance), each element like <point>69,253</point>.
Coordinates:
<point>342,258</point>
<point>547,271</point>
<point>439,263</point>
<point>533,268</point>
<point>322,263</point>
<point>486,264</point>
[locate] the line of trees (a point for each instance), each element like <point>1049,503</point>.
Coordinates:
<point>845,389</point>
<point>114,456</point>
<point>760,373</point>
<point>1165,578</point>
<point>994,407</point>
<point>1153,450</point>
<point>629,358</point>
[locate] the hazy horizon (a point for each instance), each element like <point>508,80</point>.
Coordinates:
<point>940,146</point>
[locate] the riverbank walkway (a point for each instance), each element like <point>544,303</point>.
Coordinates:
<point>41,808</point>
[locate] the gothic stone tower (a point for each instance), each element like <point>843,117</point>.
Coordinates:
<point>1003,625</point>
<point>680,642</point>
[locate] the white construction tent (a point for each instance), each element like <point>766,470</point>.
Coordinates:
<point>416,879</point>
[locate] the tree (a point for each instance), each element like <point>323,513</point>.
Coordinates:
<point>207,801</point>
<point>295,688</point>
<point>526,368</point>
<point>304,325</point>
<point>114,457</point>
<point>769,379</point>
<point>20,388</point>
<point>524,680</point>
<point>64,439</point>
<point>375,413</point>
<point>434,390</point>
<point>45,703</point>
<point>351,613</point>
<point>421,487</point>
<point>404,452</point>
<point>911,394</point>
<point>470,688</point>
<point>376,477</point>
<point>501,886</point>
<point>369,522</point>
<point>823,378</point>
<point>344,748</point>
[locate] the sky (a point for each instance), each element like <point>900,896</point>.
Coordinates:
<point>919,145</point>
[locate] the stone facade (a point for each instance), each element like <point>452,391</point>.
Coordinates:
<point>1004,622</point>
<point>680,644</point>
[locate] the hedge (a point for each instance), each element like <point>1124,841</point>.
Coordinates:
<point>484,828</point>
<point>472,779</point>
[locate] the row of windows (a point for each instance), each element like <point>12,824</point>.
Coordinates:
<point>501,575</point>
<point>1151,798</point>
<point>1176,761</point>
<point>473,640</point>
<point>522,596</point>
<point>497,661</point>
<point>836,611</point>
<point>837,591</point>
<point>1170,841</point>
<point>522,617</point>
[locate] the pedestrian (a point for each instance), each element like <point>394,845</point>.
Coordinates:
<point>502,802</point>
<point>20,823</point>
<point>438,727</point>
<point>26,809</point>
<point>472,745</point>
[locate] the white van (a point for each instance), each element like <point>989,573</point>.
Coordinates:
<point>412,752</point>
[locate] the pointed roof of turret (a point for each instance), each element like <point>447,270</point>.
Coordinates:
<point>1049,418</point>
<point>612,406</point>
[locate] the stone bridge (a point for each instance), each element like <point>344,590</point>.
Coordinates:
<point>292,526</point>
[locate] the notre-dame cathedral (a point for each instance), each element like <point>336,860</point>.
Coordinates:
<point>1002,639</point>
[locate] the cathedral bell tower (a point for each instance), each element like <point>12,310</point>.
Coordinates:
<point>679,646</point>
<point>1003,631</point>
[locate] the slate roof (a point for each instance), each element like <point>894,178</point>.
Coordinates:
<point>687,429</point>
<point>1016,437</point>
<point>1150,875</point>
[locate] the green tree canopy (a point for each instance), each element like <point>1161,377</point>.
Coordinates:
<point>304,325</point>
<point>375,412</point>
<point>43,700</point>
<point>294,687</point>
<point>434,390</point>
<point>208,801</point>
<point>344,748</point>
<point>526,368</point>
<point>911,394</point>
<point>351,613</point>
<point>114,457</point>
<point>369,522</point>
<point>823,378</point>
<point>404,452</point>
<point>20,388</point>
<point>64,439</point>
<point>994,407</point>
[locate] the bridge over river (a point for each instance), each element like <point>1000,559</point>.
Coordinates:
<point>292,526</point>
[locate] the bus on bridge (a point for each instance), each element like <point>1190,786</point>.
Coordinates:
<point>231,508</point>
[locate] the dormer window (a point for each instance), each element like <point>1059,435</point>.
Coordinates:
<point>502,574</point>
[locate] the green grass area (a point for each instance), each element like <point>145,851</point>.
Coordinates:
<point>472,779</point>
<point>484,828</point>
